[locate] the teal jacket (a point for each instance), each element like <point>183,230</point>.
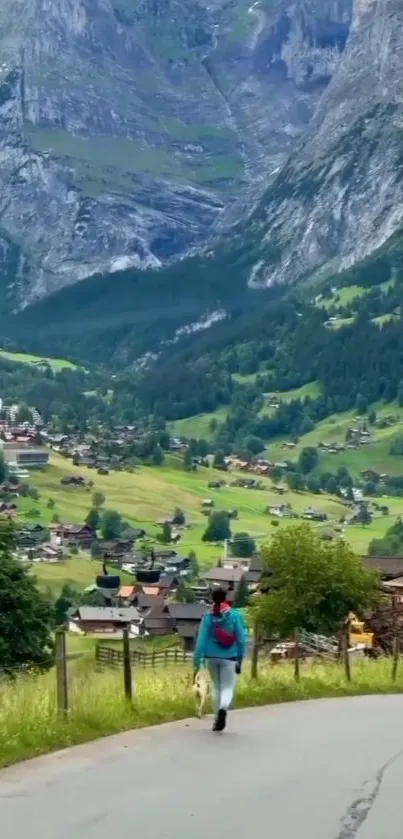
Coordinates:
<point>206,645</point>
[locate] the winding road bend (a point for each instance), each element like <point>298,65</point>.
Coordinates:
<point>329,769</point>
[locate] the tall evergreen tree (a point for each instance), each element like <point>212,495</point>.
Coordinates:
<point>26,615</point>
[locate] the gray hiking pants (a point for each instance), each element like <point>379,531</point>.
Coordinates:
<point>223,676</point>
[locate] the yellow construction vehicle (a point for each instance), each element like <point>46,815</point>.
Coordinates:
<point>359,633</point>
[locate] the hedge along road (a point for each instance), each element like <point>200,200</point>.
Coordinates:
<point>328,769</point>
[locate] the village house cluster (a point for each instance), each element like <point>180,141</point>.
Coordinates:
<point>21,443</point>
<point>148,606</point>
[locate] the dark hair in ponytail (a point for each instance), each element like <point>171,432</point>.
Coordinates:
<point>219,597</point>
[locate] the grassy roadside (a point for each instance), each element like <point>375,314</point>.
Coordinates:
<point>30,726</point>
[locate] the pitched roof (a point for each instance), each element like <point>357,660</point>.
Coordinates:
<point>388,566</point>
<point>158,622</point>
<point>167,580</point>
<point>187,611</point>
<point>225,575</point>
<point>107,613</point>
<point>397,582</point>
<point>255,570</point>
<point>72,528</point>
<point>116,544</point>
<point>150,601</point>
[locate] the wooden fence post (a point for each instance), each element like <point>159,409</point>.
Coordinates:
<point>255,652</point>
<point>127,666</point>
<point>345,643</point>
<point>61,671</point>
<point>396,640</point>
<point>396,646</point>
<point>297,673</point>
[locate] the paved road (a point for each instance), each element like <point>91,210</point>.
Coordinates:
<point>313,770</point>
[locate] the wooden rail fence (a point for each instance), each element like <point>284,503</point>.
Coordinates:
<point>112,657</point>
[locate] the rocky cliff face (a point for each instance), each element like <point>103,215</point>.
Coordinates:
<point>339,196</point>
<point>132,130</point>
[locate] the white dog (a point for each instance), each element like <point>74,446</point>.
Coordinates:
<point>200,690</point>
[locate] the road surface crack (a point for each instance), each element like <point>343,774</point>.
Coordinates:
<point>358,811</point>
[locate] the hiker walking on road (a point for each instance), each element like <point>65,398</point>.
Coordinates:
<point>221,645</point>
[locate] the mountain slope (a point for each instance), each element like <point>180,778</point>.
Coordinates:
<point>131,130</point>
<point>340,195</point>
<point>335,199</point>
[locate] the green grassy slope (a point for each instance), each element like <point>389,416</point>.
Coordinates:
<point>56,364</point>
<point>198,426</point>
<point>150,493</point>
<point>333,430</point>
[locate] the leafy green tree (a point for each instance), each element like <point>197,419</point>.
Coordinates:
<point>218,527</point>
<point>33,513</point>
<point>3,468</point>
<point>295,481</point>
<point>93,598</point>
<point>313,484</point>
<point>242,544</point>
<point>157,456</point>
<point>361,404</point>
<point>370,488</point>
<point>276,474</point>
<point>187,458</point>
<point>68,597</point>
<point>194,565</point>
<point>111,524</point>
<point>166,535</point>
<point>344,477</point>
<point>184,593</point>
<point>96,551</point>
<point>314,584</point>
<point>93,518</point>
<point>254,445</point>
<point>179,518</point>
<point>219,460</point>
<point>307,425</point>
<point>392,542</point>
<point>396,446</point>
<point>24,414</point>
<point>98,499</point>
<point>26,615</point>
<point>202,448</point>
<point>349,493</point>
<point>308,459</point>
<point>363,516</point>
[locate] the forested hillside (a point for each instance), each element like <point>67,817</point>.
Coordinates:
<point>343,337</point>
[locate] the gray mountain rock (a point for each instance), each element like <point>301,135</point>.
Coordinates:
<point>339,197</point>
<point>133,130</point>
